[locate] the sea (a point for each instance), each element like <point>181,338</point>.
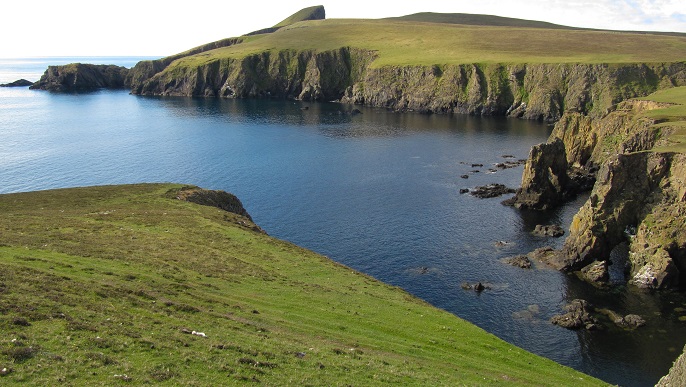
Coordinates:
<point>377,191</point>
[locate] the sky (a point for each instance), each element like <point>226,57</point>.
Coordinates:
<point>156,28</point>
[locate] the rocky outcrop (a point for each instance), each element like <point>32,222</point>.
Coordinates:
<point>638,196</point>
<point>220,199</point>
<point>545,182</point>
<point>82,77</point>
<point>677,374</point>
<point>18,83</point>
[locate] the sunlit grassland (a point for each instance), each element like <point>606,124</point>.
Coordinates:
<point>418,43</point>
<point>100,286</point>
<point>672,117</point>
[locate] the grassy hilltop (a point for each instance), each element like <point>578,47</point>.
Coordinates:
<point>440,39</point>
<point>104,285</point>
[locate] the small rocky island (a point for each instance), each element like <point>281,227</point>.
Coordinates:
<point>18,83</point>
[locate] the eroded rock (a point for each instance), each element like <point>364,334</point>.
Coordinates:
<point>578,316</point>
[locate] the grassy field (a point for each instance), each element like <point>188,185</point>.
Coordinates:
<point>423,43</point>
<point>105,285</point>
<point>672,117</point>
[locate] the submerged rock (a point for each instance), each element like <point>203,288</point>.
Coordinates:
<point>553,230</point>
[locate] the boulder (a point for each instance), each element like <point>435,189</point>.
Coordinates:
<point>578,316</point>
<point>553,230</point>
<point>596,273</point>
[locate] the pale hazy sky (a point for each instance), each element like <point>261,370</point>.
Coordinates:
<point>165,27</point>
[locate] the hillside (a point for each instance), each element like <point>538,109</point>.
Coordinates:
<point>106,285</point>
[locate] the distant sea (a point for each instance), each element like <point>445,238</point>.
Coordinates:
<point>12,69</point>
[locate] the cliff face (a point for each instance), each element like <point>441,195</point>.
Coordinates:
<point>645,192</point>
<point>534,91</point>
<point>146,69</point>
<point>82,77</point>
<point>305,75</point>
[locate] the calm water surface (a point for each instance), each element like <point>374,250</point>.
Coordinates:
<point>377,191</point>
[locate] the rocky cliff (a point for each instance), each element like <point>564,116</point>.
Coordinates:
<point>531,91</point>
<point>82,77</point>
<point>639,195</point>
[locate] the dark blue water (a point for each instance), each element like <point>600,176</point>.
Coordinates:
<point>377,191</point>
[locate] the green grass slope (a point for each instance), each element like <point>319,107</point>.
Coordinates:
<point>103,285</point>
<point>412,43</point>
<point>672,117</point>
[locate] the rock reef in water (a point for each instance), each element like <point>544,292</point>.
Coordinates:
<point>18,83</point>
<point>82,77</point>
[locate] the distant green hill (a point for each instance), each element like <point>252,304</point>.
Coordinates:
<point>400,42</point>
<point>128,284</point>
<point>310,13</point>
<point>475,20</point>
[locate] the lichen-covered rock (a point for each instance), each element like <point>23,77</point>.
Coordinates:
<point>82,77</point>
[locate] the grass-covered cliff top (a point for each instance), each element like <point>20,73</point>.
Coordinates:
<point>429,43</point>
<point>105,286</point>
<point>672,116</point>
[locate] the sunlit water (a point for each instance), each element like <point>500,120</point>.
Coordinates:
<point>377,191</point>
